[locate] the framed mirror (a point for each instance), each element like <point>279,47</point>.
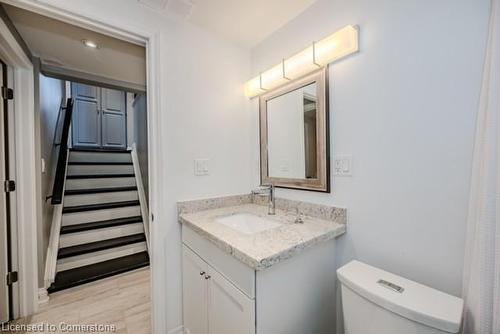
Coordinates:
<point>294,145</point>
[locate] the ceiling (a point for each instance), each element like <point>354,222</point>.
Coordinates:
<point>244,22</point>
<point>59,45</point>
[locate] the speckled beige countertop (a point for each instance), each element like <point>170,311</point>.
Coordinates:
<point>263,249</point>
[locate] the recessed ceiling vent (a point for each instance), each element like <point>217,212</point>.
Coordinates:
<point>155,4</point>
<point>182,8</point>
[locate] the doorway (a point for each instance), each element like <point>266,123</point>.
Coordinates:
<point>99,118</point>
<point>149,40</point>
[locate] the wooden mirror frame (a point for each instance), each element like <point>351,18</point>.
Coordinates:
<point>322,182</point>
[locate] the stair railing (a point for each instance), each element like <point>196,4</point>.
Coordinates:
<point>62,152</point>
<point>60,144</point>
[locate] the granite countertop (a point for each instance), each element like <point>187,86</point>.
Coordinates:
<point>263,249</point>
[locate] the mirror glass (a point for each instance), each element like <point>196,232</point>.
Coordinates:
<point>291,131</point>
<point>294,141</point>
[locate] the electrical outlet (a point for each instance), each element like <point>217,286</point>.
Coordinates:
<point>342,165</point>
<point>201,167</point>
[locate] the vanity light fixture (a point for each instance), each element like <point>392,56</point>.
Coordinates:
<point>336,46</point>
<point>90,44</point>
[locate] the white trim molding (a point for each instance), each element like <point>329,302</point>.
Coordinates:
<point>55,230</point>
<point>24,133</point>
<point>53,247</point>
<point>43,296</point>
<point>141,193</point>
<point>26,188</point>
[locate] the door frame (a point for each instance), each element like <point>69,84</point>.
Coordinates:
<point>23,131</point>
<point>150,39</point>
<point>5,243</point>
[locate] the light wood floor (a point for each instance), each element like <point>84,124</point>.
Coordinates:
<point>122,300</point>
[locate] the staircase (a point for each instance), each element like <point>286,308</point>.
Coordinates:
<point>102,231</point>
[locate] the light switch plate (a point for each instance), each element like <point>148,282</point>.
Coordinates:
<point>342,165</point>
<point>201,167</point>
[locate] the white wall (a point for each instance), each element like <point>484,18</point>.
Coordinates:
<point>204,115</point>
<point>140,123</point>
<point>48,100</point>
<point>405,108</point>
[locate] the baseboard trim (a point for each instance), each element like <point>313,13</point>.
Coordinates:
<point>141,193</point>
<point>178,330</point>
<point>43,296</point>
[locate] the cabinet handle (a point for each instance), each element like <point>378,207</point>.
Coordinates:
<point>202,273</point>
<point>208,276</point>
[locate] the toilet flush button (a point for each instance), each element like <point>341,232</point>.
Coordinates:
<point>391,286</point>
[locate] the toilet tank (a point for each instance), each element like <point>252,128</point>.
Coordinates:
<point>375,301</point>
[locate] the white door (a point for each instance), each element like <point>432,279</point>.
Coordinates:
<point>230,311</point>
<point>195,277</point>
<point>4,249</point>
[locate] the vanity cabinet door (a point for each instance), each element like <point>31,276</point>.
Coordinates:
<point>229,310</point>
<point>195,294</point>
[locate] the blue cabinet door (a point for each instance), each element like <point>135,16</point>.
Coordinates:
<point>114,121</point>
<point>99,117</point>
<point>86,123</point>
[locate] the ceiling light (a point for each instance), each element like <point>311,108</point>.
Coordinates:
<point>90,44</point>
<point>319,54</point>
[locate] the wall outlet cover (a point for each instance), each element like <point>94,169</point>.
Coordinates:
<point>201,167</point>
<point>342,165</point>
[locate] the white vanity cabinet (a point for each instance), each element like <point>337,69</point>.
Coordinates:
<point>225,296</point>
<point>195,292</point>
<point>212,304</point>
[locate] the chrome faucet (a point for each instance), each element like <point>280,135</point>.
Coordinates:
<point>263,190</point>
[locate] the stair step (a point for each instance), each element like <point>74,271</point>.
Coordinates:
<point>91,163</point>
<point>95,235</point>
<point>87,259</point>
<point>97,176</point>
<point>112,182</point>
<point>100,224</point>
<point>81,275</point>
<point>101,206</point>
<point>98,150</point>
<point>100,198</point>
<point>98,190</point>
<point>100,245</point>
<point>83,217</point>
<point>100,156</point>
<point>100,169</point>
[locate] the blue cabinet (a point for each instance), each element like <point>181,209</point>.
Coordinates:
<point>99,117</point>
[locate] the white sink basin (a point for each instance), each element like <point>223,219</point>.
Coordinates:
<point>247,223</point>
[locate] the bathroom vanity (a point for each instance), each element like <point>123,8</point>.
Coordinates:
<point>248,272</point>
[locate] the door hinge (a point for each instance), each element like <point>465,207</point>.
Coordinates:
<point>12,277</point>
<point>7,93</point>
<point>9,186</point>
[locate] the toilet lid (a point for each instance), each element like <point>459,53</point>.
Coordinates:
<point>409,299</point>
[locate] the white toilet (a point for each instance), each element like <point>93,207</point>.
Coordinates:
<point>377,302</point>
